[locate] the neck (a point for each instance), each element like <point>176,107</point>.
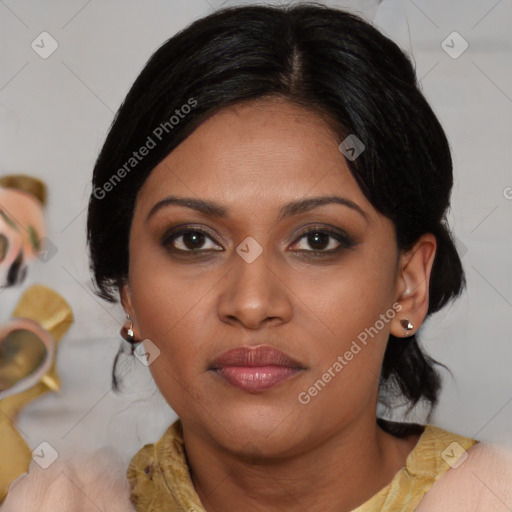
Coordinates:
<point>345,469</point>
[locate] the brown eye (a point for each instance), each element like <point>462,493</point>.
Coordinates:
<point>189,240</point>
<point>324,240</point>
<point>318,240</point>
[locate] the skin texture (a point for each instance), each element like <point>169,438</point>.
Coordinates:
<point>256,451</point>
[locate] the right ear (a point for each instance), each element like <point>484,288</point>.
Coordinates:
<point>126,300</point>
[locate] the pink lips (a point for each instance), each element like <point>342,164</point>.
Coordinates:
<point>255,369</point>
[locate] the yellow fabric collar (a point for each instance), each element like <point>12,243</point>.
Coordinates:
<point>435,452</point>
<point>160,477</point>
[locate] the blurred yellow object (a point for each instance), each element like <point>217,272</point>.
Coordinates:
<point>41,319</point>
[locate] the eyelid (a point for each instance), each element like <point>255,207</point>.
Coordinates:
<point>344,239</point>
<point>183,229</point>
<point>323,228</point>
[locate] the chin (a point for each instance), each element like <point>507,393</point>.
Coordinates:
<point>265,430</point>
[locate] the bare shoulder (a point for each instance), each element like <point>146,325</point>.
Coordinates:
<point>81,484</point>
<point>482,482</point>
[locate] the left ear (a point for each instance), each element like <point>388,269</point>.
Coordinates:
<point>412,285</point>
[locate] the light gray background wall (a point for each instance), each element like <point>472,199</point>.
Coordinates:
<point>55,113</point>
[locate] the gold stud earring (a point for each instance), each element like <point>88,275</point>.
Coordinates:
<point>408,326</point>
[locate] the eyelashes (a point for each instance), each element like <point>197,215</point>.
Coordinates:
<point>191,242</point>
<point>319,236</point>
<point>188,241</point>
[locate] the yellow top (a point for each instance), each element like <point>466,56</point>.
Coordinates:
<point>160,477</point>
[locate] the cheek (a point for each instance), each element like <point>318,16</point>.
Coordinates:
<point>174,322</point>
<point>351,313</point>
<point>174,311</point>
<point>344,301</point>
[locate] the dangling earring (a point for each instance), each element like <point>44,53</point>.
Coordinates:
<point>127,331</point>
<point>407,325</point>
<point>128,335</point>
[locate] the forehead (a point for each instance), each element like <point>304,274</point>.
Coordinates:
<point>260,152</point>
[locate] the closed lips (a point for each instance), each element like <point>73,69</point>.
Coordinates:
<point>255,369</point>
<point>261,355</point>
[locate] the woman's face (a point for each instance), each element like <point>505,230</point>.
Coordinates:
<point>245,273</point>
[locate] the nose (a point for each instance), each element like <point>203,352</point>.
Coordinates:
<point>255,294</point>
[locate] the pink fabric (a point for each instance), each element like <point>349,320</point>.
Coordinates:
<point>482,483</point>
<point>83,484</point>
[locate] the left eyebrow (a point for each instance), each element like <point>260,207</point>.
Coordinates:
<point>213,209</point>
<point>304,205</point>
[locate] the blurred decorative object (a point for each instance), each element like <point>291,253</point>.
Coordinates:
<point>22,225</point>
<point>26,354</point>
<point>28,346</point>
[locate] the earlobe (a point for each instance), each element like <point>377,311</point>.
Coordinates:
<point>413,286</point>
